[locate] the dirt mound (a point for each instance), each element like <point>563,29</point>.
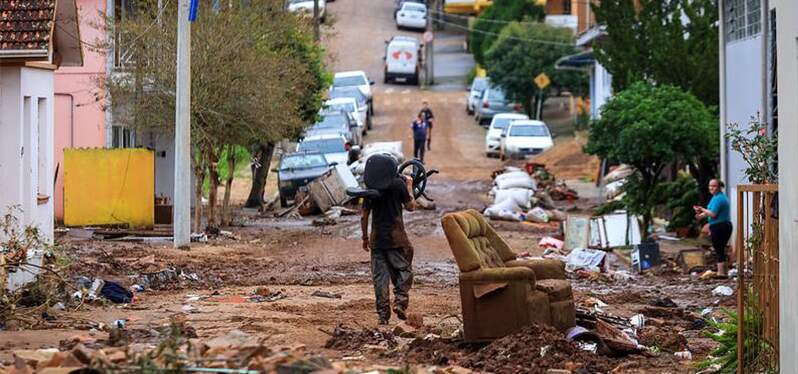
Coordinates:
<point>534,350</point>
<point>345,338</point>
<point>665,339</point>
<point>432,351</point>
<point>566,159</point>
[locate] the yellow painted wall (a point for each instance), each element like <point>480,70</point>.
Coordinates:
<point>109,187</point>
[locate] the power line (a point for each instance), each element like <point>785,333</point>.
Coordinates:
<point>525,40</point>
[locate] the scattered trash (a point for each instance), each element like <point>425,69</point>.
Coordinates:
<point>537,214</point>
<point>663,302</point>
<point>116,293</point>
<point>722,291</point>
<point>691,260</point>
<point>684,355</point>
<point>581,258</point>
<point>59,306</point>
<point>188,308</point>
<point>263,294</point>
<point>620,275</point>
<point>638,321</point>
<point>137,288</point>
<point>614,338</point>
<point>617,229</point>
<point>199,238</point>
<point>120,323</point>
<point>706,311</point>
<point>326,294</point>
<point>645,256</point>
<point>709,274</point>
<point>96,288</point>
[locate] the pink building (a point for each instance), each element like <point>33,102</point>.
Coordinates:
<point>79,115</point>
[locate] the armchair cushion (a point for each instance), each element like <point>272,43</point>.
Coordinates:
<point>499,275</point>
<point>473,242</point>
<point>557,289</point>
<point>544,268</point>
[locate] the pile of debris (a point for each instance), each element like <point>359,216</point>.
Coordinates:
<point>527,195</point>
<point>235,350</point>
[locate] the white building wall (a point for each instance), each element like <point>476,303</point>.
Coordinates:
<point>787,39</point>
<point>600,88</point>
<point>26,154</point>
<point>743,100</point>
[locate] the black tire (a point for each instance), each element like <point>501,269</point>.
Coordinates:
<point>283,202</point>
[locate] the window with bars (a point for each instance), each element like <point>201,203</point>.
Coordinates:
<point>743,19</point>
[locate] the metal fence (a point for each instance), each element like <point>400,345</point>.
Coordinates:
<point>757,247</point>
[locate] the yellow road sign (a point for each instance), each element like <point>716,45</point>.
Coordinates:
<point>542,80</point>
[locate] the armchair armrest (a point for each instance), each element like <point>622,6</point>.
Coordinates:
<point>499,275</point>
<point>543,268</point>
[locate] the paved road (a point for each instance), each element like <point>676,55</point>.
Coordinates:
<point>357,42</point>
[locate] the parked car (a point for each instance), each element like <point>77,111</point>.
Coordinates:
<point>305,8</point>
<point>525,138</point>
<point>362,100</point>
<point>492,102</point>
<point>359,79</point>
<point>499,124</point>
<point>339,123</point>
<point>412,16</point>
<point>332,146</point>
<point>296,170</point>
<point>475,93</point>
<point>402,59</point>
<point>399,4</point>
<point>347,105</point>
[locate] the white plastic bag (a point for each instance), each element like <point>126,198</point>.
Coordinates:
<point>537,214</point>
<point>521,180</point>
<point>519,196</point>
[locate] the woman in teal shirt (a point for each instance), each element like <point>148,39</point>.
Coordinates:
<point>720,226</point>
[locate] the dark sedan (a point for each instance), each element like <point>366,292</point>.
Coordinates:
<point>297,170</point>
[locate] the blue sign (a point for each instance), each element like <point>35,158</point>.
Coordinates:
<point>192,10</point>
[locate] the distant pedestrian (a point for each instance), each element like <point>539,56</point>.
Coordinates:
<point>428,116</point>
<point>420,132</point>
<point>719,221</point>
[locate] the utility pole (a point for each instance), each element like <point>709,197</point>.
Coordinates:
<point>182,194</point>
<point>428,40</point>
<point>316,21</point>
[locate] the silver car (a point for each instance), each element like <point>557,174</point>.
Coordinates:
<point>475,93</point>
<point>492,102</point>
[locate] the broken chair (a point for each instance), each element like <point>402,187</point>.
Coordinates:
<point>500,294</point>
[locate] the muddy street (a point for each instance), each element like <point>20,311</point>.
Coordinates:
<point>291,283</point>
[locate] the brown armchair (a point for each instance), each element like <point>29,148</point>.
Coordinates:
<point>500,294</point>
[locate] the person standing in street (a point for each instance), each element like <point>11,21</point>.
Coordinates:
<point>428,116</point>
<point>420,133</point>
<point>719,221</point>
<point>391,251</point>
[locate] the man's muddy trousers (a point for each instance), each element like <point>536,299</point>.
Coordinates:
<point>391,266</point>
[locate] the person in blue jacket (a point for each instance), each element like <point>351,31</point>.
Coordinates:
<point>718,217</point>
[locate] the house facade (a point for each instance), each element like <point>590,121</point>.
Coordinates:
<point>79,118</point>
<point>784,15</point>
<point>759,77</point>
<point>36,37</point>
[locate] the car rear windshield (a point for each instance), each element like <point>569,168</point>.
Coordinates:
<point>354,80</point>
<point>529,131</point>
<point>414,7</point>
<point>496,94</point>
<point>502,123</point>
<point>331,121</point>
<point>352,92</point>
<point>479,84</point>
<point>323,146</point>
<point>303,162</point>
<point>348,107</point>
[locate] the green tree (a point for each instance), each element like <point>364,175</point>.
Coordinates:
<point>485,30</point>
<point>244,81</point>
<point>650,127</point>
<point>672,42</point>
<point>525,50</point>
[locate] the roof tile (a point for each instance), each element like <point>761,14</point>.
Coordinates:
<point>26,24</point>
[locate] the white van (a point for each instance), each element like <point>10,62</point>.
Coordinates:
<point>402,59</point>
